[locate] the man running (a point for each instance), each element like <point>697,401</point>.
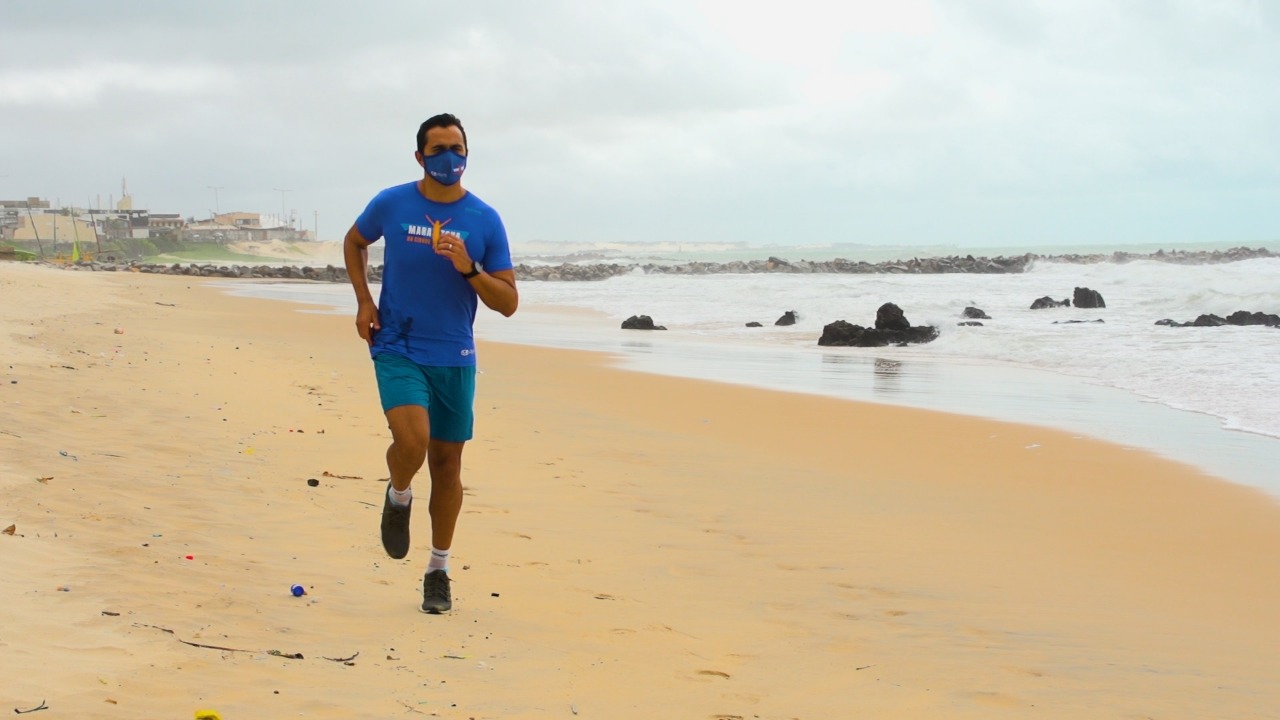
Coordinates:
<point>444,248</point>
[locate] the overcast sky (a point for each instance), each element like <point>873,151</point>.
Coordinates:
<point>968,122</point>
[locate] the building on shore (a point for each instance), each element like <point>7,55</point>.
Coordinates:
<point>242,227</point>
<point>35,220</point>
<point>13,212</point>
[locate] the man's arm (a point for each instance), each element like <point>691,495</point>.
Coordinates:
<point>497,290</point>
<point>355,252</point>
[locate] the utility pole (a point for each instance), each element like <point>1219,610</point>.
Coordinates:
<point>217,210</point>
<point>35,229</point>
<point>282,192</point>
<point>316,214</point>
<point>97,242</point>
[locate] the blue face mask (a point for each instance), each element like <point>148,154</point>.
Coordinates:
<point>445,167</point>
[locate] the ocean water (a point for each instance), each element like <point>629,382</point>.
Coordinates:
<point>1209,397</point>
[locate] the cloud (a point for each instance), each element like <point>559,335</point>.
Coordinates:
<point>85,84</point>
<point>901,121</point>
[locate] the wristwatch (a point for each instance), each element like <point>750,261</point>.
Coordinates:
<point>474,271</point>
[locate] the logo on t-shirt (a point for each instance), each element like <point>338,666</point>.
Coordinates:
<point>429,234</point>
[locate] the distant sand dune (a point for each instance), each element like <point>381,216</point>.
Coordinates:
<point>324,253</point>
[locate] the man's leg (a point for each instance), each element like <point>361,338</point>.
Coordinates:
<point>444,462</point>
<point>410,430</point>
<point>410,436</point>
<point>452,420</point>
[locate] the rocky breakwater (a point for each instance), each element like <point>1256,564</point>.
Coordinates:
<point>604,271</point>
<point>918,266</point>
<point>1177,257</point>
<point>328,273</point>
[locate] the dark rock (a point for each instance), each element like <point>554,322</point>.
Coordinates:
<point>1086,298</point>
<point>890,317</point>
<point>1239,317</point>
<point>844,334</point>
<point>1242,317</point>
<point>1076,322</point>
<point>974,313</point>
<point>754,324</point>
<point>640,322</point>
<point>891,328</point>
<point>1208,321</point>
<point>1048,302</point>
<point>788,318</point>
<point>970,323</point>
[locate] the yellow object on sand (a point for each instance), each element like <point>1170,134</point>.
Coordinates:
<point>208,715</point>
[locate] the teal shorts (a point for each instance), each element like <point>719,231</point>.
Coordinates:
<point>448,393</point>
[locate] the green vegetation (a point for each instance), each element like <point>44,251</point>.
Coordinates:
<point>19,253</point>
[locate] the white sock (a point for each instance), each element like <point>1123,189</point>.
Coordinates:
<point>399,497</point>
<point>439,560</point>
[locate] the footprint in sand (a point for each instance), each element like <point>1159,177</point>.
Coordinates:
<point>994,699</point>
<point>1022,671</point>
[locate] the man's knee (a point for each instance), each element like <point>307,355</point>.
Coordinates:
<point>410,432</point>
<point>411,450</point>
<point>445,459</point>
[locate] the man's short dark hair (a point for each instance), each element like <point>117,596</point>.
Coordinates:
<point>443,120</point>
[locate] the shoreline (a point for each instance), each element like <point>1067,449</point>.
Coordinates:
<point>633,543</point>
<point>970,388</point>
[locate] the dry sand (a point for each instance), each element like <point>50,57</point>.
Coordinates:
<point>632,546</point>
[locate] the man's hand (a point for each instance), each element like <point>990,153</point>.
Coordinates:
<point>454,249</point>
<point>497,290</point>
<point>367,321</point>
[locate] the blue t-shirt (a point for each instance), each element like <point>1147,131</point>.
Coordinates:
<point>427,308</point>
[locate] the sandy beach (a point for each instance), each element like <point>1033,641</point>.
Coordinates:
<point>632,546</point>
